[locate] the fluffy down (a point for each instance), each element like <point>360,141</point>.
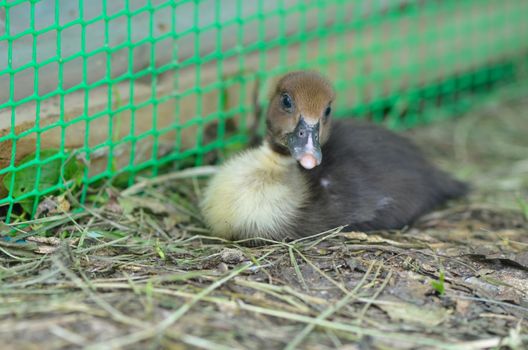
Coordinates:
<point>258,193</point>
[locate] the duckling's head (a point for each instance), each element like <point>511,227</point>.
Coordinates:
<point>298,118</point>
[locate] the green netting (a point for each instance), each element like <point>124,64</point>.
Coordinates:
<point>92,90</point>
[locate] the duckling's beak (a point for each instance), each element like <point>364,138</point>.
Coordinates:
<point>304,146</point>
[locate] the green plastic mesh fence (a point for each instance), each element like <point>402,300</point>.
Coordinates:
<point>95,90</point>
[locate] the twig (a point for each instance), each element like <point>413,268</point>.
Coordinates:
<point>113,312</point>
<point>345,327</point>
<point>161,327</point>
<point>184,174</point>
<point>329,311</point>
<point>375,296</point>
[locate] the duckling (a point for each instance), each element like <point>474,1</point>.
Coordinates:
<point>310,174</point>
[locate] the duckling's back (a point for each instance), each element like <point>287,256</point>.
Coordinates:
<point>372,179</point>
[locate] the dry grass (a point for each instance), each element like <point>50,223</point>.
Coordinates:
<point>138,270</point>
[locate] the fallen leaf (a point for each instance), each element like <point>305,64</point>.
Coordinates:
<point>174,219</point>
<point>47,245</point>
<point>423,315</point>
<point>46,206</point>
<point>510,295</point>
<point>45,249</point>
<point>519,260</point>
<point>231,256</point>
<point>375,239</point>
<point>462,306</point>
<point>130,203</point>
<point>360,236</point>
<point>44,240</point>
<point>484,272</point>
<point>53,205</point>
<point>479,283</point>
<point>114,207</point>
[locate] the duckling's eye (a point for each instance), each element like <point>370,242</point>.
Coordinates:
<point>327,112</point>
<point>286,102</point>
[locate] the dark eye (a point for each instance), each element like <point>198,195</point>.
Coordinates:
<point>327,112</point>
<point>286,102</point>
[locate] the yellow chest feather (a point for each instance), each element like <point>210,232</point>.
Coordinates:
<point>256,194</point>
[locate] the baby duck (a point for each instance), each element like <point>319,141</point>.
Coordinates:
<point>311,175</point>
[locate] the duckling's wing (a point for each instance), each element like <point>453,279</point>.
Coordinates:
<point>372,178</point>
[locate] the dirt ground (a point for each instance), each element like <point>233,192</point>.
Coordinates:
<point>138,272</point>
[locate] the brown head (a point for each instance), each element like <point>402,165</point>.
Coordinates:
<point>298,118</point>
